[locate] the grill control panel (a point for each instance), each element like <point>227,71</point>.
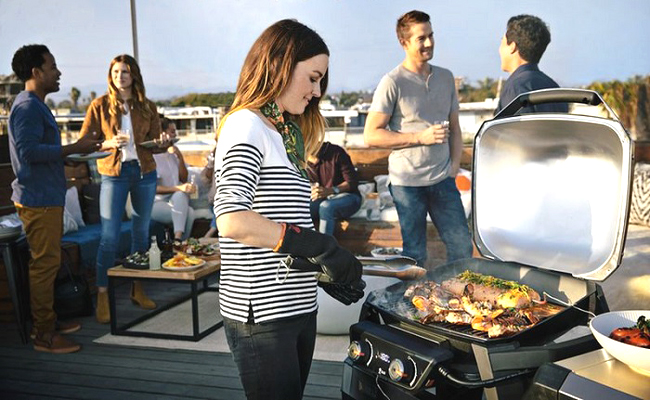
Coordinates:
<point>404,359</point>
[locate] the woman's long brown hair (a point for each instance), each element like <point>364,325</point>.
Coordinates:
<point>268,68</point>
<point>138,98</point>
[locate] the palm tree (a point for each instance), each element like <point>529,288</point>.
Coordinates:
<point>74,96</point>
<point>625,98</point>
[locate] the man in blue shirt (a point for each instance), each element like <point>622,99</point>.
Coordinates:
<point>39,188</point>
<point>522,46</point>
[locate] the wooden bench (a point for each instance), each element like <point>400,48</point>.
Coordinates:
<point>361,236</point>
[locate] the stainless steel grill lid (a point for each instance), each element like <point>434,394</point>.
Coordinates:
<point>553,190</point>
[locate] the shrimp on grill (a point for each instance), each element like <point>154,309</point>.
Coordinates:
<point>427,295</point>
<point>537,313</point>
<point>507,322</point>
<point>438,304</point>
<point>500,323</point>
<point>453,317</point>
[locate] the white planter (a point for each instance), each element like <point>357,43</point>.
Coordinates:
<point>335,318</point>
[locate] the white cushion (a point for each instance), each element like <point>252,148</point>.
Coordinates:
<point>203,213</point>
<point>385,198</point>
<point>335,318</point>
<point>72,206</point>
<point>69,223</point>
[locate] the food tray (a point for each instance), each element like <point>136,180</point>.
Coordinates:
<point>152,143</point>
<point>87,157</point>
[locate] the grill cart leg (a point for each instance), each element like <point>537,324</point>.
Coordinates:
<point>509,390</point>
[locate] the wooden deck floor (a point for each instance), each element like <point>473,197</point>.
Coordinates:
<point>116,372</point>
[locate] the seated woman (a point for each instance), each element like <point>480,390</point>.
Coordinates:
<point>334,192</point>
<point>172,202</point>
<point>207,179</point>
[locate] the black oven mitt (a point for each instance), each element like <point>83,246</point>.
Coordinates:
<point>343,292</point>
<point>336,262</point>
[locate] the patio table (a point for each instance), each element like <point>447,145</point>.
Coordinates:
<point>192,278</point>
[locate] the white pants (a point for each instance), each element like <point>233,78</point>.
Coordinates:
<point>175,209</point>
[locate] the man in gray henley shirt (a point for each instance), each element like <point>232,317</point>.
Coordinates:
<point>415,112</point>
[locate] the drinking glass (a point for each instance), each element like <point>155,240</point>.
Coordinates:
<point>125,137</point>
<point>445,125</point>
<point>195,194</point>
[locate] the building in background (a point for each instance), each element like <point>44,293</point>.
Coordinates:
<point>10,86</point>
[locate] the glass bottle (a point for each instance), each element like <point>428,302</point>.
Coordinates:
<point>167,250</point>
<point>154,255</point>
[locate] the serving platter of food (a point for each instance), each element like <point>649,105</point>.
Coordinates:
<point>183,262</point>
<point>386,251</point>
<point>137,260</point>
<point>206,249</point>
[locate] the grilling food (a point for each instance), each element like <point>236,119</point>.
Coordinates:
<point>493,305</point>
<point>500,292</point>
<point>638,335</point>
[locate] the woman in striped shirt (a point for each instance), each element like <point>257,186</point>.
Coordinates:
<point>262,211</point>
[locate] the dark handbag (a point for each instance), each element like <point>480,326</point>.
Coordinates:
<point>72,295</point>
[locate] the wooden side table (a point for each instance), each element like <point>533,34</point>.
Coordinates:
<point>192,278</point>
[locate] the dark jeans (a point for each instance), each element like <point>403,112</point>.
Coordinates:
<point>273,358</point>
<point>112,202</point>
<point>325,212</point>
<point>442,202</point>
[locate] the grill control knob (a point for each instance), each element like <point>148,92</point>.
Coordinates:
<point>359,352</point>
<point>400,371</point>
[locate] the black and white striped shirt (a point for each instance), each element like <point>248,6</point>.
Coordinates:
<point>252,172</point>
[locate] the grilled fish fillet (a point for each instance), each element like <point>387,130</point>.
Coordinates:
<point>498,292</point>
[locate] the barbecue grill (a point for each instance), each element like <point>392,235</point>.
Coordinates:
<point>550,201</point>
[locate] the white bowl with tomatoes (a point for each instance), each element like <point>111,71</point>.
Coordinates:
<point>631,347</point>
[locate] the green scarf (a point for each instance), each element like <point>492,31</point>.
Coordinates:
<point>291,135</point>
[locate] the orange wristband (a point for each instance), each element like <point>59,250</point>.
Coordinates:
<point>284,230</point>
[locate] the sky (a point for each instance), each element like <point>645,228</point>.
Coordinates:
<point>198,46</point>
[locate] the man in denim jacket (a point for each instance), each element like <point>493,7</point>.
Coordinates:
<point>39,188</point>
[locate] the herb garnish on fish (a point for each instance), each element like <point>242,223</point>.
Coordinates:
<point>487,280</point>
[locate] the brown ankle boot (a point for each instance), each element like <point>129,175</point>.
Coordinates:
<point>52,342</point>
<point>138,297</point>
<point>102,313</point>
<point>60,327</point>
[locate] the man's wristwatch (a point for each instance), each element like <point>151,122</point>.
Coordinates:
<point>336,190</point>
